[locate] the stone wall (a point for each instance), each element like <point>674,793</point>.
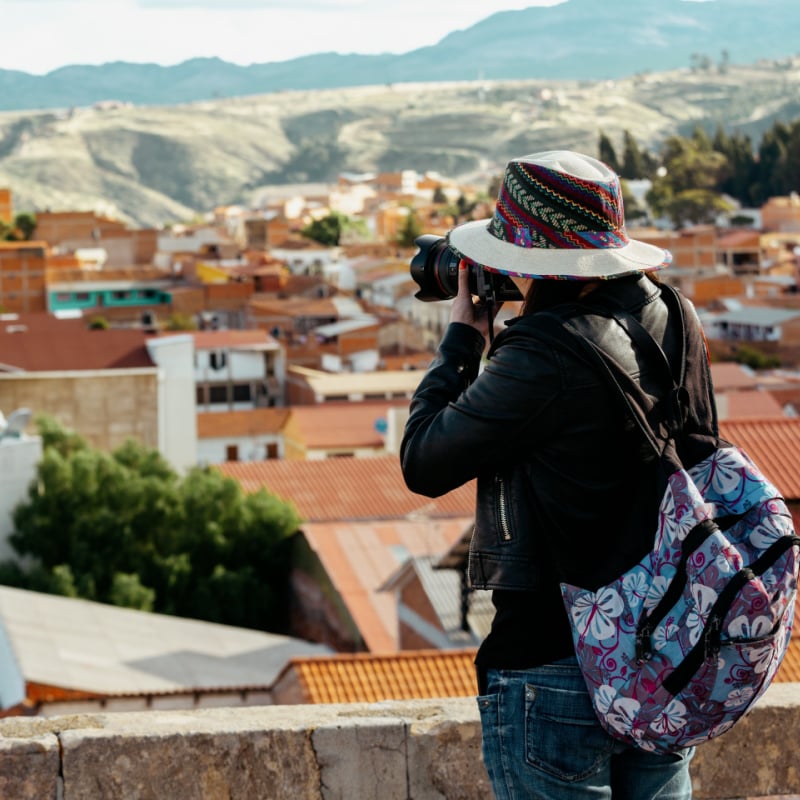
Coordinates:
<point>425,750</point>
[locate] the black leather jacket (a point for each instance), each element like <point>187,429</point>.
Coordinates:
<point>559,469</point>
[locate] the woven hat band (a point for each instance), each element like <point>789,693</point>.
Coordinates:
<point>538,207</point>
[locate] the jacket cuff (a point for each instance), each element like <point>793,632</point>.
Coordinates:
<point>463,346</point>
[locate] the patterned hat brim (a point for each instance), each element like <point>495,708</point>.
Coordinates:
<point>473,242</point>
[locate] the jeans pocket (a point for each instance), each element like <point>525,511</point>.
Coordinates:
<point>562,734</point>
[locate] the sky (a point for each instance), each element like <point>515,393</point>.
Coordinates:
<point>37,36</point>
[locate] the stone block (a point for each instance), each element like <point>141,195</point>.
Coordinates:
<point>216,755</point>
<point>29,768</point>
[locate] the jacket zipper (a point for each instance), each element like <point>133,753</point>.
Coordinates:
<point>505,528</point>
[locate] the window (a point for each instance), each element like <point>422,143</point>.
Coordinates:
<point>242,393</point>
<point>218,394</point>
<point>272,450</point>
<point>217,359</point>
<point>232,452</point>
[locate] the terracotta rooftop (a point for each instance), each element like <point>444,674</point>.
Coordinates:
<point>329,425</point>
<point>747,403</point>
<point>366,678</point>
<point>728,375</point>
<point>773,444</point>
<point>51,347</point>
<point>348,489</point>
<point>359,557</point>
<point>294,307</point>
<point>745,239</point>
<point>247,422</point>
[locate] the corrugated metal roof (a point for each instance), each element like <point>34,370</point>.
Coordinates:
<point>774,445</point>
<point>103,649</point>
<point>364,678</point>
<point>348,489</point>
<point>359,557</point>
<point>756,315</point>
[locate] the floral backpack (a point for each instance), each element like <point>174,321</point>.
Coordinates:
<point>680,646</point>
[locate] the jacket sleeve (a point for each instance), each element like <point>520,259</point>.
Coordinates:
<point>461,424</point>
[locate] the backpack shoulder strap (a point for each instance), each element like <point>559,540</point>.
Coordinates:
<point>659,421</point>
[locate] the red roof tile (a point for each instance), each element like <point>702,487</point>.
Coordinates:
<point>366,678</point>
<point>347,488</point>
<point>774,445</point>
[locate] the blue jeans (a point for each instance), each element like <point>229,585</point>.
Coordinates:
<point>542,741</point>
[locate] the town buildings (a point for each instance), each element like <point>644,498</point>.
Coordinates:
<point>289,365</point>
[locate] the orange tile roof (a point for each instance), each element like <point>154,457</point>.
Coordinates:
<point>359,557</point>
<point>774,444</point>
<point>789,671</point>
<point>748,403</point>
<point>347,488</point>
<point>366,678</point>
<point>329,425</point>
<point>246,422</point>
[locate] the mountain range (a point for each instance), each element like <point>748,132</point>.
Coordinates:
<point>574,40</point>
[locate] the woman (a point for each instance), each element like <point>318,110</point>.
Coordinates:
<point>564,492</point>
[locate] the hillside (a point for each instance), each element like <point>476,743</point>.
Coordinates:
<point>574,40</point>
<point>158,164</point>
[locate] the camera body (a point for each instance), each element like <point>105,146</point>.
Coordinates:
<point>434,268</point>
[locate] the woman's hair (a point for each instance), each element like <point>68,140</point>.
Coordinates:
<point>548,292</point>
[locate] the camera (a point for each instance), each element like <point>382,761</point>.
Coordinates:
<point>434,268</point>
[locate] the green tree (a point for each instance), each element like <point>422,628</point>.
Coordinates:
<point>634,164</point>
<point>409,230</point>
<point>607,154</point>
<point>21,229</point>
<point>328,230</point>
<point>685,188</point>
<point>124,528</point>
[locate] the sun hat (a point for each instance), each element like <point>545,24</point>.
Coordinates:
<point>559,214</point>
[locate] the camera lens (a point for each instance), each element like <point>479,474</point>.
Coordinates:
<point>434,267</point>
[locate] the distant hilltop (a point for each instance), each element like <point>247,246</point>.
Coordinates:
<point>152,165</point>
<point>575,40</point>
